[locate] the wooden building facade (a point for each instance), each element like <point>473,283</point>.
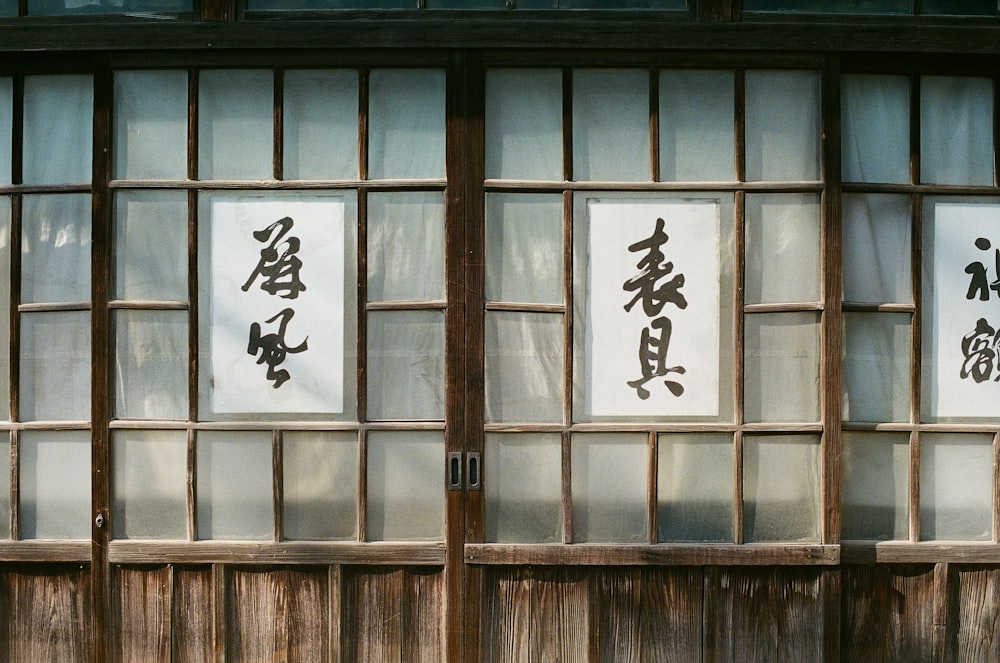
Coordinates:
<point>513,331</point>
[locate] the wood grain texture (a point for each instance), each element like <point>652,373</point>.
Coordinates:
<point>46,614</point>
<point>192,614</point>
<point>888,613</point>
<point>142,614</point>
<point>974,613</point>
<point>393,615</point>
<point>765,615</point>
<point>277,614</point>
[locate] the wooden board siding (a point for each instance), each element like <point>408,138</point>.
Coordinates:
<point>887,613</point>
<point>45,614</point>
<point>973,613</point>
<point>142,606</point>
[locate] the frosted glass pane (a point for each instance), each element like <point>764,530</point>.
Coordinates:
<point>524,367</point>
<point>236,125</point>
<point>151,364</point>
<point>235,484</point>
<point>6,127</point>
<point>610,491</point>
<point>782,367</point>
<point>782,248</point>
<point>58,129</point>
<point>876,128</point>
<point>321,486</point>
<point>151,121</point>
<point>956,130</point>
<point>406,365</point>
<point>695,487</point>
<point>5,255</point>
<point>782,125</point>
<point>55,249</point>
<point>151,244</point>
<point>406,124</point>
<point>876,367</point>
<point>611,125</point>
<point>524,124</point>
<point>523,486</point>
<point>55,484</point>
<point>405,487</point>
<point>697,136</point>
<point>875,486</point>
<point>524,248</point>
<point>149,491</point>
<point>55,366</point>
<point>781,488</point>
<point>956,486</point>
<point>405,246</point>
<point>321,125</point>
<point>5,487</point>
<point>877,239</point>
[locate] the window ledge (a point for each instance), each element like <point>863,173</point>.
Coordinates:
<point>669,554</point>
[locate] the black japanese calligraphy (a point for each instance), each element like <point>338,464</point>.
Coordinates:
<point>655,293</point>
<point>279,269</point>
<point>273,348</point>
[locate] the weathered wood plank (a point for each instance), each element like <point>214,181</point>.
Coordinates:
<point>888,613</point>
<point>765,615</point>
<point>46,612</point>
<point>560,616</point>
<point>142,614</point>
<point>648,615</point>
<point>308,553</point>
<point>193,613</point>
<point>976,599</point>
<point>506,614</point>
<point>657,555</point>
<point>277,614</point>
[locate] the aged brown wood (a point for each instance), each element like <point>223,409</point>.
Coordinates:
<point>288,552</point>
<point>46,614</point>
<point>925,552</point>
<point>658,555</point>
<point>973,612</point>
<point>887,613</point>
<point>141,601</point>
<point>192,614</point>
<point>769,615</point>
<point>277,614</point>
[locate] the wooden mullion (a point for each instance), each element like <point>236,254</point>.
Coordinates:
<point>567,486</point>
<point>738,511</point>
<point>738,333</point>
<point>568,304</point>
<point>277,478</point>
<point>652,490</point>
<point>914,495</point>
<point>193,257</point>
<point>362,313</point>
<point>362,486</point>
<point>15,485</point>
<point>13,313</point>
<point>191,487</point>
<point>916,331</point>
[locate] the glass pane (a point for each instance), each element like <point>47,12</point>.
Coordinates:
<point>782,367</point>
<point>405,491</point>
<point>523,488</point>
<point>697,137</point>
<point>406,365</point>
<point>783,248</point>
<point>58,129</point>
<point>524,124</point>
<point>695,487</point>
<point>149,473</point>
<point>610,492</point>
<point>236,125</point>
<point>406,246</point>
<point>151,364</point>
<point>55,366</point>
<point>876,128</point>
<point>877,367</point>
<point>782,125</point>
<point>524,367</point>
<point>6,126</point>
<point>875,486</point>
<point>781,488</point>
<point>235,485</point>
<point>55,484</point>
<point>151,245</point>
<point>5,256</point>
<point>611,125</point>
<point>956,130</point>
<point>959,7</point>
<point>55,248</point>
<point>320,486</point>
<point>67,7</point>
<point>321,125</point>
<point>524,248</point>
<point>832,6</point>
<point>151,120</point>
<point>956,486</point>
<point>406,124</point>
<point>877,235</point>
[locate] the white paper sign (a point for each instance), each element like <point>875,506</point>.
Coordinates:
<point>965,315</point>
<point>277,305</point>
<point>652,327</point>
